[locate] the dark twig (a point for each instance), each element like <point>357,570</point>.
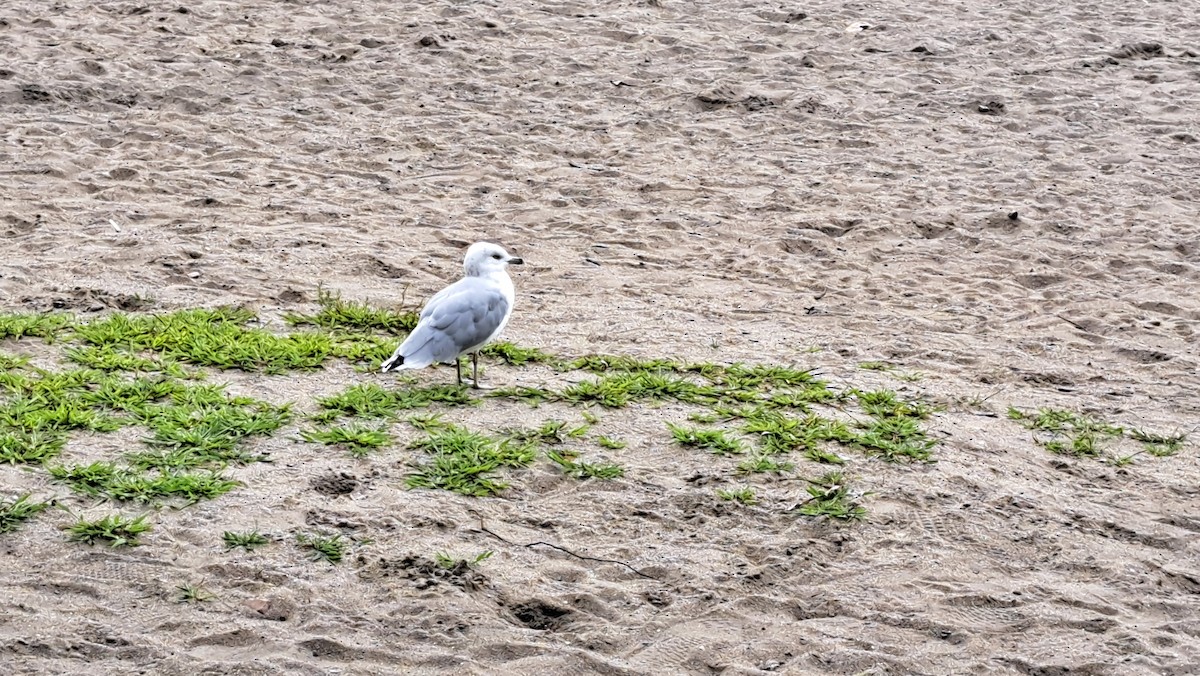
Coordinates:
<point>562,549</point>
<point>592,558</point>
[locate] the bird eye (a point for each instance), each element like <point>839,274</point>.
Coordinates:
<point>496,256</point>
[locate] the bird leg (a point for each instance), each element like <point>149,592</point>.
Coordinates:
<point>458,370</point>
<point>475,372</point>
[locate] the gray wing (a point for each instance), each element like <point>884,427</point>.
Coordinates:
<point>460,321</point>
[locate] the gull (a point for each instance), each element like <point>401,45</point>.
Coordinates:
<point>462,317</point>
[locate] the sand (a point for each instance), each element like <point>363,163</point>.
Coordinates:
<point>999,196</point>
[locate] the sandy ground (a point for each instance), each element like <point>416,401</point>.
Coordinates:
<point>1001,196</point>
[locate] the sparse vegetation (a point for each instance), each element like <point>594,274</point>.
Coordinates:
<point>448,562</point>
<point>830,496</point>
<point>16,511</point>
<point>744,495</point>
<point>1158,445</point>
<point>324,548</point>
<point>247,540</point>
<point>145,371</point>
<point>192,593</point>
<point>1068,433</point>
<point>566,460</point>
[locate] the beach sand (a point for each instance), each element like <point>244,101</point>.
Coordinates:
<point>1000,197</point>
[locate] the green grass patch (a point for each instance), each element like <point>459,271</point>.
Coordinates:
<point>359,439</point>
<point>111,358</point>
<point>531,396</point>
<point>246,540</point>
<point>12,362</point>
<point>830,496</point>
<point>465,462</point>
<point>324,548</point>
<point>192,593</point>
<point>18,447</point>
<point>368,400</point>
<point>108,481</point>
<point>514,355</point>
<point>888,404</point>
<point>895,439</point>
<point>209,337</point>
<point>115,530</point>
<point>619,389</point>
<point>1158,445</point>
<point>551,432</point>
<point>16,511</point>
<point>717,442</point>
<point>46,326</point>
<point>745,495</point>
<point>1068,433</point>
<point>567,461</point>
<point>763,464</point>
<point>343,315</point>
<point>444,560</point>
<point>611,443</point>
<point>779,433</point>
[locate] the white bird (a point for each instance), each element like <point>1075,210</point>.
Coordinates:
<point>462,317</point>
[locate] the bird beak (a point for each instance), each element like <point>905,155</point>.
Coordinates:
<point>515,261</point>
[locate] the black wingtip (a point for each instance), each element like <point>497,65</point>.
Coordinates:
<point>392,363</point>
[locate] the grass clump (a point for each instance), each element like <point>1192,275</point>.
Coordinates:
<point>247,540</point>
<point>106,480</point>
<point>21,447</point>
<point>46,326</point>
<point>448,562</point>
<point>887,404</point>
<point>330,549</point>
<point>192,593</point>
<point>343,315</point>
<point>895,439</point>
<point>464,462</point>
<point>1067,432</point>
<point>514,355</point>
<point>202,427</point>
<point>779,433</point>
<point>618,389</point>
<point>830,496</point>
<point>566,460</point>
<point>713,441</point>
<point>602,363</point>
<point>551,432</point>
<point>744,495</point>
<point>116,530</point>
<point>369,400</point>
<point>18,510</point>
<point>358,439</point>
<point>209,337</point>
<point>763,464</point>
<point>110,358</point>
<point>531,396</point>
<point>1159,445</point>
<point>610,443</point>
